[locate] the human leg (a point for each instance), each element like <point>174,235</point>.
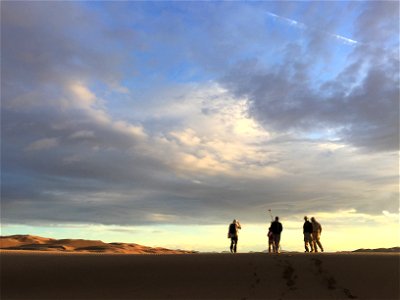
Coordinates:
<point>277,239</point>
<point>306,243</point>
<point>270,245</point>
<point>273,243</point>
<point>320,245</point>
<point>315,240</point>
<point>307,240</point>
<point>235,244</point>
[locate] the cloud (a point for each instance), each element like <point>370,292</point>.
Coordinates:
<point>360,103</point>
<point>82,134</point>
<point>42,144</point>
<point>231,118</point>
<point>63,47</point>
<point>378,23</point>
<point>207,166</point>
<point>85,98</point>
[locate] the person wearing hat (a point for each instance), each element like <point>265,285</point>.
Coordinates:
<point>233,234</point>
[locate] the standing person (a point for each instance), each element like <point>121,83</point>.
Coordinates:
<point>317,229</point>
<point>233,234</point>
<point>276,228</point>
<point>307,231</point>
<point>270,240</point>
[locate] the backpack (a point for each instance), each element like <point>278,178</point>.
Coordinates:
<point>232,229</point>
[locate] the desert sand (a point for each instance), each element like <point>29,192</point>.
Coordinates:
<point>34,267</point>
<point>37,243</point>
<point>69,275</point>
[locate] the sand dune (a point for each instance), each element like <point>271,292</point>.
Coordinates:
<point>69,275</point>
<point>29,242</point>
<point>379,250</point>
<point>18,240</point>
<point>41,268</point>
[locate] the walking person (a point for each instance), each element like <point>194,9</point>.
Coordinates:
<point>308,231</point>
<point>317,229</point>
<point>233,234</point>
<point>276,228</point>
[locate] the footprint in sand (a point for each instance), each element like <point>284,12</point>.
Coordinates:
<point>256,277</point>
<point>288,275</point>
<point>329,280</point>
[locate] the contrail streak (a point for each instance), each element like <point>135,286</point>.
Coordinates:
<point>303,26</point>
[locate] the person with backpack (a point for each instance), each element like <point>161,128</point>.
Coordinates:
<point>317,229</point>
<point>276,228</point>
<point>308,231</point>
<point>233,234</point>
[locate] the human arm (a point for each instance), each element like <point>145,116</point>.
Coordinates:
<point>238,225</point>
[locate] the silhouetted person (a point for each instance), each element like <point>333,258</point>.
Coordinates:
<point>307,231</point>
<point>317,229</point>
<point>276,228</point>
<point>270,240</point>
<point>233,234</point>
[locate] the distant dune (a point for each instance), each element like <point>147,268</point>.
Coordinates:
<point>37,243</point>
<point>379,250</point>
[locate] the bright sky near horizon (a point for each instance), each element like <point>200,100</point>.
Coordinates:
<point>159,122</point>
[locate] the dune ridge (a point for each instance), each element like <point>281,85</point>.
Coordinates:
<point>37,243</point>
<point>378,250</point>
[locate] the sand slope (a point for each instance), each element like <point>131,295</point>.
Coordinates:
<point>30,242</point>
<point>63,275</point>
<point>381,250</point>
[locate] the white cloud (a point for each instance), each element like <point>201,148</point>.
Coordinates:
<point>80,97</point>
<point>331,146</point>
<point>158,217</point>
<point>82,134</point>
<point>42,144</point>
<point>215,135</point>
<point>84,97</point>
<point>392,216</point>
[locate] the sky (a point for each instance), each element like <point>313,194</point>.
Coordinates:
<point>158,123</point>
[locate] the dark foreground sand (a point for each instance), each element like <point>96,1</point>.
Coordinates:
<point>33,275</point>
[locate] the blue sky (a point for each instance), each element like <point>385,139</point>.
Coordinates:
<point>126,121</point>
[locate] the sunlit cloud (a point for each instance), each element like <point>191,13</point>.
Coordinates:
<point>82,134</point>
<point>43,144</point>
<point>175,120</point>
